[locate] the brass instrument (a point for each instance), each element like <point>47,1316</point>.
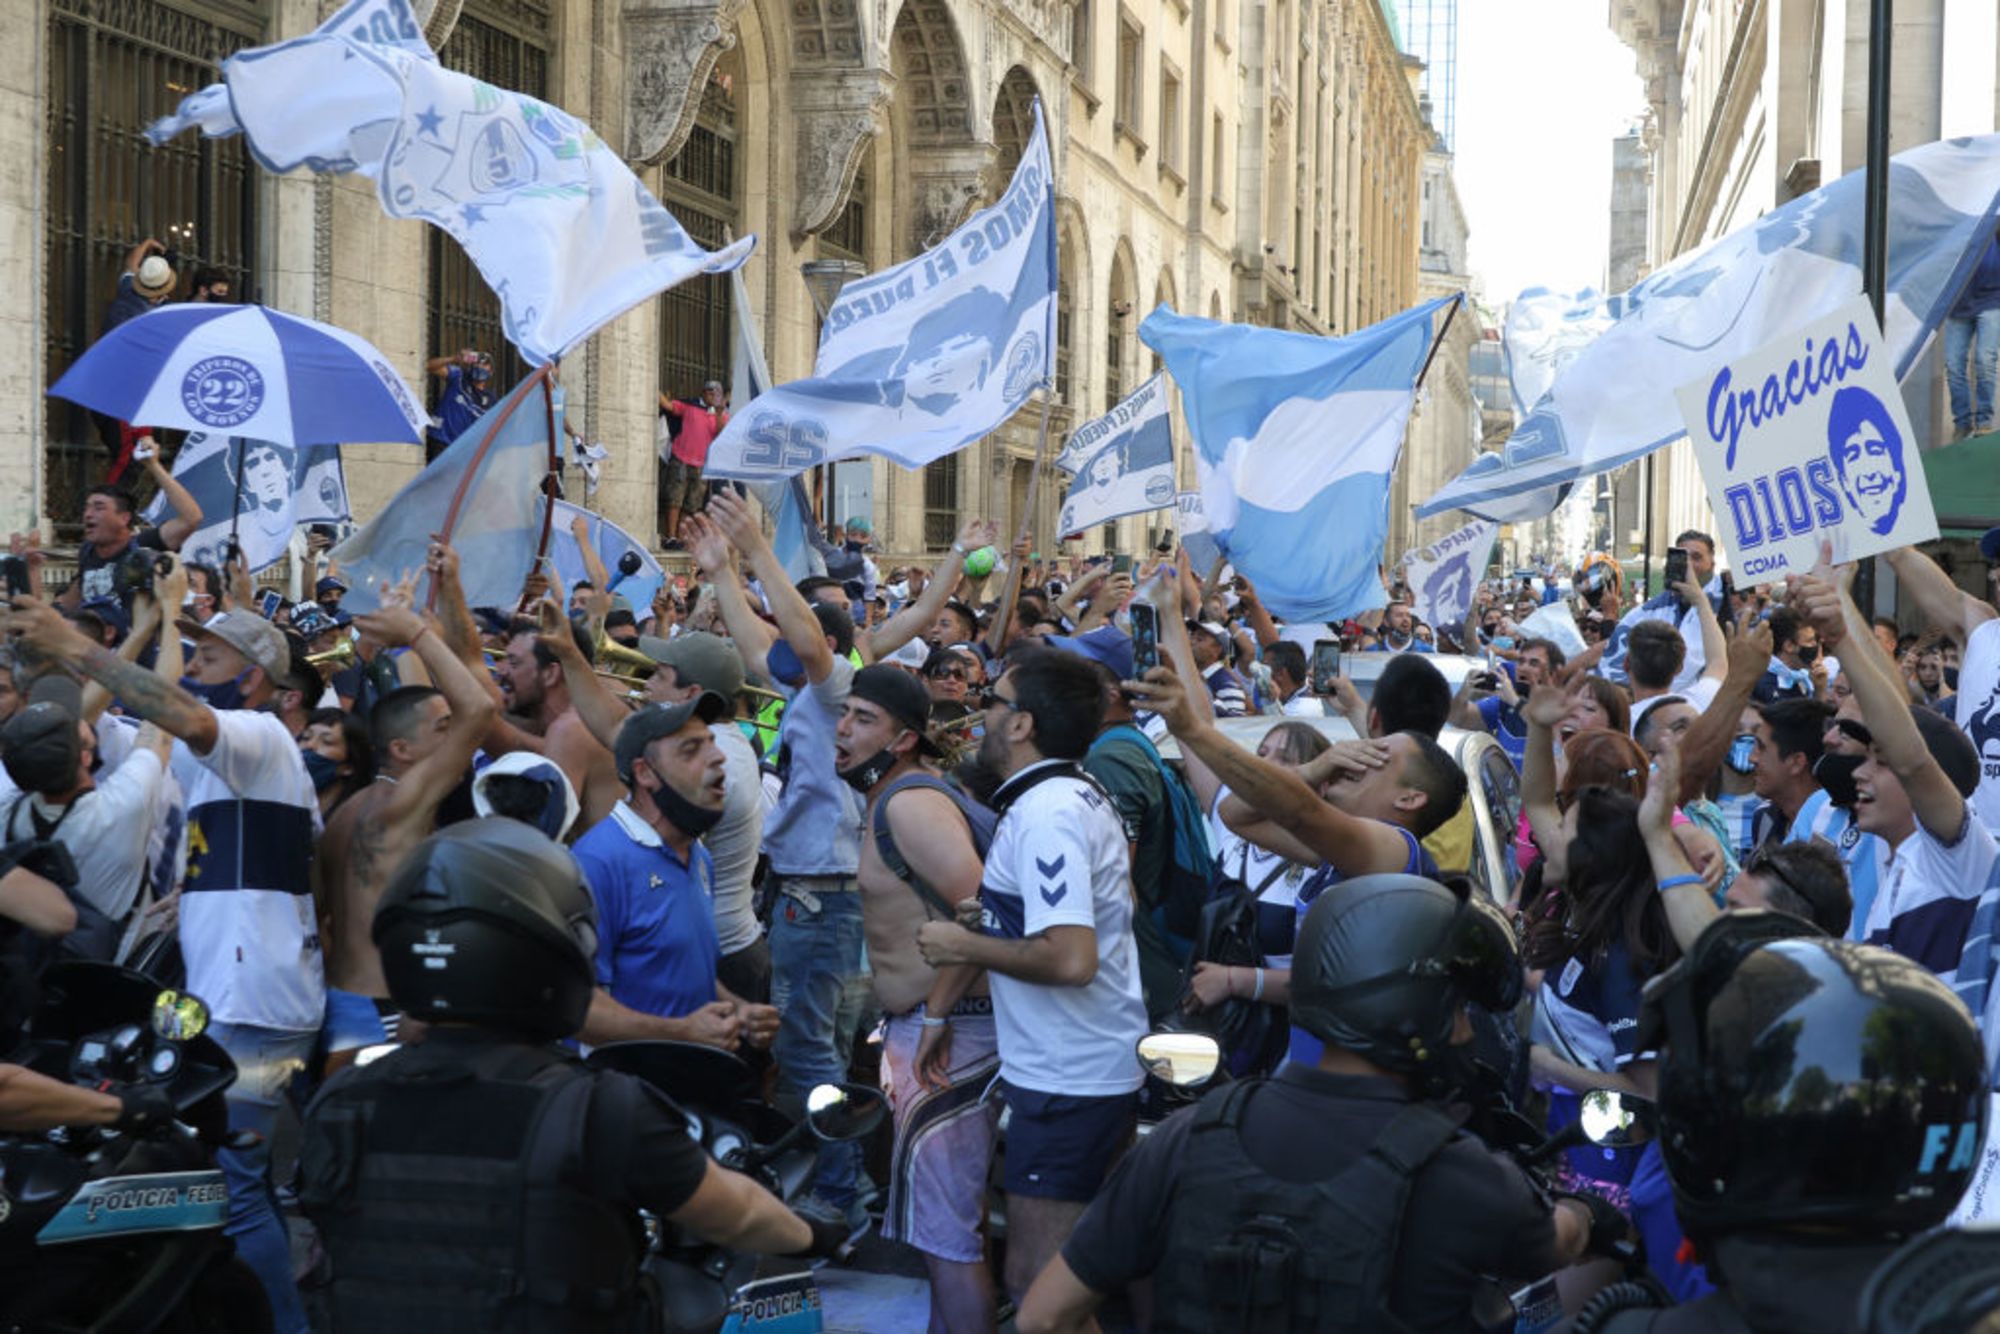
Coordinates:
<point>626,662</point>
<point>339,658</point>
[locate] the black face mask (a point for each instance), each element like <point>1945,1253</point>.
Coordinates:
<point>1807,652</point>
<point>865,775</point>
<point>1836,774</point>
<point>683,814</point>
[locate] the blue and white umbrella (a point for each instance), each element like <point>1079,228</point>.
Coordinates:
<point>245,371</point>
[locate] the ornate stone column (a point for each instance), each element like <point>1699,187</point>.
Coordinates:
<point>835,113</point>
<point>671,47</point>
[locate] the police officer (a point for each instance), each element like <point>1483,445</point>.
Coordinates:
<point>485,1179</point>
<point>1333,1196</point>
<point>1820,1102</point>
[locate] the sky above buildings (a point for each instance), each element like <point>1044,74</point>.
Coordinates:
<point>1543,88</point>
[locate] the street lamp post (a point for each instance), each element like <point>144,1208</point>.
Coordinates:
<point>824,280</point>
<point>1875,213</point>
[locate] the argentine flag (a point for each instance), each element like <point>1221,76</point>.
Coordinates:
<point>1613,400</point>
<point>1296,438</point>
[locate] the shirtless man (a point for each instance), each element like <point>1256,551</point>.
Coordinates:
<point>534,694</point>
<point>939,1047</point>
<point>424,740</point>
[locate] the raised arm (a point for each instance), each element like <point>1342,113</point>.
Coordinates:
<point>601,710</point>
<point>455,621</point>
<point>187,510</point>
<point>1933,799</point>
<point>1010,597</point>
<point>1683,893</point>
<point>752,635</point>
<point>921,614</point>
<point>1940,601</point>
<point>733,514</point>
<point>1706,742</point>
<point>1255,612</point>
<point>1546,705</point>
<point>42,628</point>
<point>430,779</point>
<point>1355,845</point>
<point>1714,648</point>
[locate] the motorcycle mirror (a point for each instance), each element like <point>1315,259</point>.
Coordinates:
<point>179,1016</point>
<point>843,1111</point>
<point>1184,1060</point>
<point>1616,1120</point>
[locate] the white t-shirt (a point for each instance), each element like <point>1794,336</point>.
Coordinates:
<point>1978,713</point>
<point>248,930</point>
<point>1928,895</point>
<point>732,843</point>
<point>1059,858</point>
<point>106,830</point>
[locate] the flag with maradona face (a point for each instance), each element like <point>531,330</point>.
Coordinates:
<point>1443,576</point>
<point>1127,463</point>
<point>924,358</point>
<point>258,490</point>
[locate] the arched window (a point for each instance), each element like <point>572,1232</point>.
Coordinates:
<point>112,69</point>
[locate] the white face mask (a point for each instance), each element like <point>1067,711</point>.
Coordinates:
<point>899,591</point>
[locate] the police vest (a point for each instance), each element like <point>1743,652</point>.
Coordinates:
<point>1249,1252</point>
<point>442,1199</point>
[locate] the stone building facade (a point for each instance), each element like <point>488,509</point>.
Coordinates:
<point>1255,160</point>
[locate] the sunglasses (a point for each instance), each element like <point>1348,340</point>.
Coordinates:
<point>948,674</point>
<point>1763,863</point>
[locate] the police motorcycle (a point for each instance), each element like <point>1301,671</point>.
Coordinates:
<point>1945,1281</point>
<point>121,1233</point>
<point>707,1289</point>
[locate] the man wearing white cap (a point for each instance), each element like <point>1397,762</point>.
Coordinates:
<point>147,280</point>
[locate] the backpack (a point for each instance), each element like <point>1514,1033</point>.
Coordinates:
<point>1253,1034</point>
<point>978,818</point>
<point>1191,870</point>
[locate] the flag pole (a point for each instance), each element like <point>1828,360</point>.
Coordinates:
<point>1875,212</point>
<point>236,502</point>
<point>551,481</point>
<point>1451,312</point>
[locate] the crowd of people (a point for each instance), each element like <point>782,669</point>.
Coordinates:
<point>961,830</point>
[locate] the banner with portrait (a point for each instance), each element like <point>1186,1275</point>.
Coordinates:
<point>1805,440</point>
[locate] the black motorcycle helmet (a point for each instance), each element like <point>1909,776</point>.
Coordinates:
<point>488,922</point>
<point>1384,963</point>
<point>1809,1081</point>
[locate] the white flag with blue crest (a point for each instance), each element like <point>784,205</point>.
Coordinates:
<point>1444,575</point>
<point>1195,538</point>
<point>1615,401</point>
<point>1128,461</point>
<point>557,224</point>
<point>924,358</point>
<point>257,490</point>
<point>1296,438</point>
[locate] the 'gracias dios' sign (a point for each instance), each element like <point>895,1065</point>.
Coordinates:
<point>1806,439</point>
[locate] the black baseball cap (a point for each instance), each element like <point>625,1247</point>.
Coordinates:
<point>40,747</point>
<point>655,721</point>
<point>901,696</point>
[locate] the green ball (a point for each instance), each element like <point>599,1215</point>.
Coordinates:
<point>979,563</point>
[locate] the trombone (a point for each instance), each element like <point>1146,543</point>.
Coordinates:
<point>338,658</point>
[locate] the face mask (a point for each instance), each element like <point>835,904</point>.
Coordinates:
<point>1503,641</point>
<point>1836,774</point>
<point>1740,751</point>
<point>682,813</point>
<point>865,775</point>
<point>323,771</point>
<point>899,590</point>
<point>226,695</point>
<point>1807,652</point>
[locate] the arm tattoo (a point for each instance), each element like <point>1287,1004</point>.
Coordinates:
<point>160,702</point>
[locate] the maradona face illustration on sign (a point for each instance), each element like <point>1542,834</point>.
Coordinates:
<point>951,352</point>
<point>1448,592</point>
<point>1867,453</point>
<point>1108,466</point>
<point>265,488</point>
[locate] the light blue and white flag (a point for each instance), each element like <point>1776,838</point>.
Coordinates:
<point>795,536</point>
<point>922,359</point>
<point>1615,401</point>
<point>1443,576</point>
<point>1129,467</point>
<point>259,488</point>
<point>557,224</point>
<point>1296,438</point>
<point>485,491</point>
<point>1544,332</point>
<point>612,545</point>
<point>1196,540</point>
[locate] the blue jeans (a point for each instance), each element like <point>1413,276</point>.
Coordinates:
<point>818,985</point>
<point>1972,405</point>
<point>266,1059</point>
